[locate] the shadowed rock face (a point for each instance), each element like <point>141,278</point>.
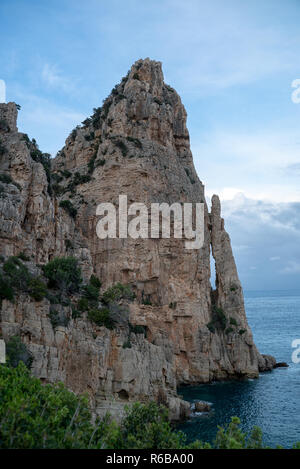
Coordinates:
<point>137,145</point>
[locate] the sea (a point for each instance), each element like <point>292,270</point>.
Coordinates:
<point>272,401</point>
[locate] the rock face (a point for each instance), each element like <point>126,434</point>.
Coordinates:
<point>136,144</point>
<point>202,406</point>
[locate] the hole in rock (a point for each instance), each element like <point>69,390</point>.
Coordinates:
<point>123,395</point>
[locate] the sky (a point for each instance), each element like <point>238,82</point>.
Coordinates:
<point>233,64</point>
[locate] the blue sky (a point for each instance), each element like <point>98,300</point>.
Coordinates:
<point>231,62</point>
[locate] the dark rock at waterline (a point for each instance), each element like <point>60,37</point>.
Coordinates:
<point>266,363</point>
<point>281,365</point>
<point>202,406</point>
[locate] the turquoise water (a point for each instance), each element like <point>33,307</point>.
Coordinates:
<point>273,401</point>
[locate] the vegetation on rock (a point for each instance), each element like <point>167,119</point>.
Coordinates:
<point>64,274</point>
<point>49,416</point>
<point>15,277</point>
<point>68,207</point>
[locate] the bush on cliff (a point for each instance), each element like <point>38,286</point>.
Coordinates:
<point>37,416</point>
<point>17,352</point>
<point>16,277</point>
<point>148,426</point>
<point>64,274</point>
<point>68,207</point>
<point>117,292</point>
<point>33,415</point>
<point>101,317</point>
<point>6,290</point>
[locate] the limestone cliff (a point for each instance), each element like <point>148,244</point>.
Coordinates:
<point>136,144</point>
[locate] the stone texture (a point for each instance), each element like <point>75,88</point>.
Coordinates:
<point>137,145</point>
<point>202,406</point>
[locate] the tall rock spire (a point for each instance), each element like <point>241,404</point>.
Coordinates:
<point>135,144</point>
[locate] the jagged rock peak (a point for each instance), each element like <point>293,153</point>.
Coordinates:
<point>8,116</point>
<point>149,71</point>
<point>137,144</point>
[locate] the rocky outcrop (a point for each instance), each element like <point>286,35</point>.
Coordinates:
<point>136,144</point>
<point>202,406</point>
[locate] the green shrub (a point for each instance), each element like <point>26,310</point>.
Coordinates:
<point>101,317</point>
<point>17,272</point>
<point>68,244</point>
<point>73,135</point>
<point>157,101</point>
<point>146,300</point>
<point>173,305</point>
<point>242,331</point>
<point>127,344</point>
<point>117,292</point>
<point>232,437</point>
<point>17,352</point>
<point>91,163</point>
<point>148,426</point>
<point>37,416</point>
<point>91,293</point>
<point>3,149</point>
<point>87,122</point>
<point>16,276</point>
<point>105,108</point>
<point>7,179</point>
<point>95,282</point>
<point>64,274</point>
<point>68,207</point>
<point>57,189</point>
<point>56,177</point>
<point>136,141</point>
<point>136,76</point>
<point>121,145</point>
<point>37,289</point>
<point>211,327</point>
<point>44,159</point>
<point>219,318</point>
<point>54,299</point>
<point>229,330</point>
<point>100,162</point>
<point>23,257</point>
<point>90,136</point>
<point>233,322</point>
<point>49,416</point>
<point>58,318</point>
<point>83,304</point>
<point>6,290</point>
<point>95,119</point>
<point>75,313</point>
<point>90,296</point>
<point>66,174</point>
<point>137,329</point>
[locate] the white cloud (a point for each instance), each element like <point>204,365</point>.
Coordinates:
<point>222,45</point>
<point>259,163</point>
<point>292,267</point>
<point>54,78</point>
<point>47,121</point>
